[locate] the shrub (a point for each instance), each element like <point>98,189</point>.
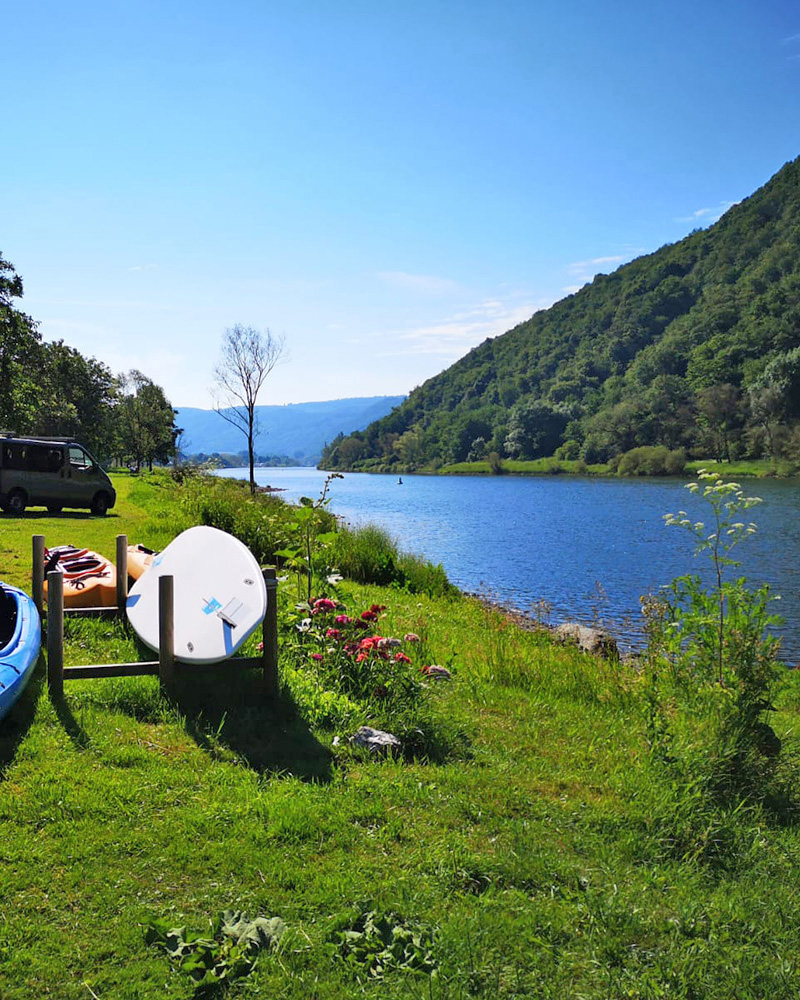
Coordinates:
<point>651,461</point>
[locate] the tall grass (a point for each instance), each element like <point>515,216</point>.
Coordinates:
<point>368,554</point>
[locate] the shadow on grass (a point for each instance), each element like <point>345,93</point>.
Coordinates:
<point>232,715</point>
<point>73,728</point>
<point>19,720</point>
<point>46,515</point>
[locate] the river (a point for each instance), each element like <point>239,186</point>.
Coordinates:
<point>571,547</point>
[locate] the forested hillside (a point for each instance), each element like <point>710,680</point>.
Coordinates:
<point>695,347</point>
<point>52,389</point>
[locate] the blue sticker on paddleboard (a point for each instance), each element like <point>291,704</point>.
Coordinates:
<point>227,634</point>
<point>211,606</point>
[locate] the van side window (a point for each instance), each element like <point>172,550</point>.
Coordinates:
<point>39,458</point>
<point>78,458</point>
<point>55,459</point>
<point>15,456</point>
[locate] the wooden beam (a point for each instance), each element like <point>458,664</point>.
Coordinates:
<point>37,573</point>
<point>141,668</point>
<point>55,634</point>
<point>122,574</point>
<point>166,629</point>
<point>269,633</point>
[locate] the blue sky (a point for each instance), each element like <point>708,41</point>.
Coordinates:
<point>383,184</point>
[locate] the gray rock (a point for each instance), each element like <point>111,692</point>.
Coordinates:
<point>376,741</point>
<point>591,640</point>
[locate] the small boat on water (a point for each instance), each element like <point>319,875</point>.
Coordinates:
<point>90,580</point>
<point>140,558</point>
<point>20,638</point>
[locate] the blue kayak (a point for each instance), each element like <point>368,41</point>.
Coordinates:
<point>20,638</point>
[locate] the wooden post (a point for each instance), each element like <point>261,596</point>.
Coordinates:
<point>269,656</point>
<point>122,573</point>
<point>37,573</point>
<point>166,629</point>
<point>55,634</point>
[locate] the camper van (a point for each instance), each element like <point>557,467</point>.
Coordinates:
<point>53,473</point>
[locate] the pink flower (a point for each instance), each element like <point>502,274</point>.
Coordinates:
<point>411,637</point>
<point>333,633</point>
<point>317,656</point>
<point>325,604</point>
<point>342,620</point>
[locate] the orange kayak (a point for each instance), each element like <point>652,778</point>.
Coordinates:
<point>140,558</point>
<point>90,580</point>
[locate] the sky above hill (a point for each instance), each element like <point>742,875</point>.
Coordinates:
<point>383,184</point>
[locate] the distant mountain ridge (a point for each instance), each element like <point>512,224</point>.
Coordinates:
<point>295,430</point>
<point>693,348</point>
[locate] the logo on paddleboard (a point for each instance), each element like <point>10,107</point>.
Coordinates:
<point>211,606</point>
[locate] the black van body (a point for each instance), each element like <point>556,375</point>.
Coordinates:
<point>51,472</point>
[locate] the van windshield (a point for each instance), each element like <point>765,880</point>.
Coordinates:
<point>79,459</point>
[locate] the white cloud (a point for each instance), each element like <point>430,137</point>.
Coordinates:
<point>454,335</point>
<point>425,284</point>
<point>707,216</point>
<point>583,265</point>
<point>142,267</point>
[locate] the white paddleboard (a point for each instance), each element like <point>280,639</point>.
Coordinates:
<point>220,595</point>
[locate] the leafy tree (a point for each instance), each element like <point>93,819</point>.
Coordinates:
<point>719,409</point>
<point>247,358</point>
<point>535,429</point>
<point>77,397</point>
<point>146,421</point>
<point>20,345</point>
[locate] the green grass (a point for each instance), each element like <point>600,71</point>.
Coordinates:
<point>534,467</point>
<point>760,468</point>
<point>545,853</point>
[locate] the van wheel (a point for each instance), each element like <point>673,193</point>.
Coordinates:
<point>16,502</point>
<point>100,504</point>
<point>54,508</point>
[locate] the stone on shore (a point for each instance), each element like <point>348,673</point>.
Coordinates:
<point>591,640</point>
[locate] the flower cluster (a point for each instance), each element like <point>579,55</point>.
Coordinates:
<point>349,652</point>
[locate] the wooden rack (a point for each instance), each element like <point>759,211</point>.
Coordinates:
<point>166,666</point>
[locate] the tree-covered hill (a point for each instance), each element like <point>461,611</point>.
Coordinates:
<point>695,346</point>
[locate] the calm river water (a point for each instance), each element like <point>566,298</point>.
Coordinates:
<point>588,548</point>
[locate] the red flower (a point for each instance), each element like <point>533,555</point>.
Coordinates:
<point>333,633</point>
<point>317,656</point>
<point>325,604</point>
<point>401,658</point>
<point>369,616</point>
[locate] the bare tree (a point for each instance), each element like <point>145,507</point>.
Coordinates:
<point>247,357</point>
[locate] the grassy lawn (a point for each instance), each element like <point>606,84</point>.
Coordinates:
<point>541,853</point>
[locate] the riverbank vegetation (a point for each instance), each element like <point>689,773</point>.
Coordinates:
<point>541,834</point>
<point>693,347</point>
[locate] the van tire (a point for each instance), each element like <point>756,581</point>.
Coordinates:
<point>16,502</point>
<point>100,504</point>
<point>54,508</point>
